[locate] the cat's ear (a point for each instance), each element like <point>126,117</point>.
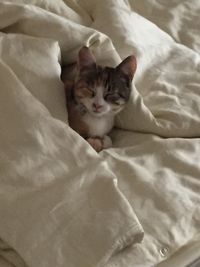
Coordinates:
<point>127,68</point>
<point>86,58</point>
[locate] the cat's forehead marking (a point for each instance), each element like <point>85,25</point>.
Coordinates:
<point>99,92</point>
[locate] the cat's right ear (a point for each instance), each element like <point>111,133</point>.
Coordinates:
<point>86,58</point>
<point>127,68</point>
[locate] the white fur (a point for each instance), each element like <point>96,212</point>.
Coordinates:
<point>99,99</point>
<point>99,125</point>
<point>107,142</point>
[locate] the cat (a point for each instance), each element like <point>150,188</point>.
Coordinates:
<point>95,94</point>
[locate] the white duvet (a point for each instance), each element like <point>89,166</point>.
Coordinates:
<point>134,205</point>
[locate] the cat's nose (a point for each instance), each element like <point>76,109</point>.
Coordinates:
<point>97,106</point>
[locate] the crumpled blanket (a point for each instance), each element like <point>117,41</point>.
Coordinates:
<point>61,203</point>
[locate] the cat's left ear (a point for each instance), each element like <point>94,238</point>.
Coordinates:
<point>86,58</point>
<point>127,68</point>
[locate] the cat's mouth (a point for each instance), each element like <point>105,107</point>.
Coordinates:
<point>98,113</point>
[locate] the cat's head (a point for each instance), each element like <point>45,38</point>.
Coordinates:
<point>103,90</point>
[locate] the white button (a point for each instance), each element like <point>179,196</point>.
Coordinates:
<point>164,251</point>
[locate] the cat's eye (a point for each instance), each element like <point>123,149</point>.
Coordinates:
<point>88,92</point>
<point>121,95</point>
<point>91,92</point>
<point>113,98</point>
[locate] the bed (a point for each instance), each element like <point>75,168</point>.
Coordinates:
<point>136,204</point>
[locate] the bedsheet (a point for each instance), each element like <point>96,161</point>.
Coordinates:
<point>136,204</point>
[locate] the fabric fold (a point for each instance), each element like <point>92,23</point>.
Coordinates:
<point>59,202</point>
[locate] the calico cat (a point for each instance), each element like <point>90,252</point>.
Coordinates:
<point>95,94</point>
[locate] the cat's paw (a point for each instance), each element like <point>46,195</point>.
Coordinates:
<point>107,142</point>
<point>96,143</point>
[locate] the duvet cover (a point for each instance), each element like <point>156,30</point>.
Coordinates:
<point>136,204</point>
